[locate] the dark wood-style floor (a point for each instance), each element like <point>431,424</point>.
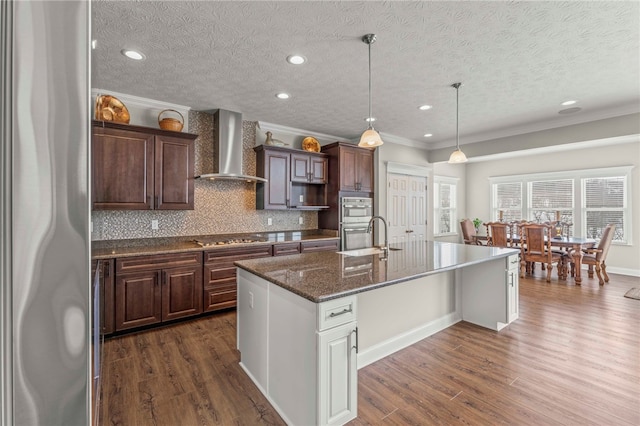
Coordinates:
<point>573,358</point>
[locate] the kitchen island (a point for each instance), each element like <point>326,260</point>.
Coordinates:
<point>307,322</point>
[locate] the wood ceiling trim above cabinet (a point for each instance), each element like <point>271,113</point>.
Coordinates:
<point>141,168</point>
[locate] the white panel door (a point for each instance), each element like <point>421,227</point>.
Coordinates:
<point>397,193</point>
<point>406,208</point>
<point>417,208</point>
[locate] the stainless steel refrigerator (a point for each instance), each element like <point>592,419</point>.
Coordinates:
<point>45,293</point>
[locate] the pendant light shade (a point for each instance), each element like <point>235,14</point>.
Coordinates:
<point>457,156</point>
<point>370,138</point>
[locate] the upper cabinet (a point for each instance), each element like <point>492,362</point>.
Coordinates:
<point>354,171</point>
<point>295,179</point>
<point>140,168</point>
<point>308,168</point>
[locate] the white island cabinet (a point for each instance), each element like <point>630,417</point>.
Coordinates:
<point>301,354</point>
<point>307,322</point>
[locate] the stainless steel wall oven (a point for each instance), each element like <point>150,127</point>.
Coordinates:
<point>355,214</point>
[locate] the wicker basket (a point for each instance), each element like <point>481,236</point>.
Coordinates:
<point>169,123</point>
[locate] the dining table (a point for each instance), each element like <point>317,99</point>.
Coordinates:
<point>575,246</point>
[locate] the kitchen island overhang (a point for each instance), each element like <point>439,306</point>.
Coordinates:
<point>307,322</point>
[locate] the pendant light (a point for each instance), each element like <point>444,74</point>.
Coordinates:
<point>370,137</point>
<point>457,156</point>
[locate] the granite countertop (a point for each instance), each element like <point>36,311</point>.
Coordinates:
<point>107,249</point>
<point>323,276</point>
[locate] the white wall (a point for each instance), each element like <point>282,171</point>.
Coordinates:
<point>622,258</point>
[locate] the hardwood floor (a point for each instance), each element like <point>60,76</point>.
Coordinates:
<point>573,357</point>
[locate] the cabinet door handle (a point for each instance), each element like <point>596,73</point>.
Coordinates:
<point>342,312</point>
<point>356,346</point>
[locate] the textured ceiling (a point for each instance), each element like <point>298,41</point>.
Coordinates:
<point>517,62</point>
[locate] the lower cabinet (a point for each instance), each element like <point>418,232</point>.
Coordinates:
<point>302,355</point>
<point>513,287</point>
<point>283,249</point>
<point>152,289</point>
<point>319,245</point>
<point>220,274</point>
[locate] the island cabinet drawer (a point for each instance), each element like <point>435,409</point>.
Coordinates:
<point>513,262</point>
<point>336,312</point>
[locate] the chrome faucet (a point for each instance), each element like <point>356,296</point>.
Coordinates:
<point>385,248</point>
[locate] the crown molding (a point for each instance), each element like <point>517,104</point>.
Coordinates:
<point>292,131</point>
<point>137,101</point>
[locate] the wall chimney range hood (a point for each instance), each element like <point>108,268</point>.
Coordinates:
<point>227,144</point>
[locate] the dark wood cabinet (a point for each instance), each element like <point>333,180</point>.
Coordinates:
<point>296,179</point>
<point>272,165</point>
<point>353,167</point>
<point>152,289</point>
<point>139,168</point>
<point>106,290</point>
<point>351,176</point>
<point>283,249</point>
<point>220,289</point>
<point>319,245</point>
<point>308,168</point>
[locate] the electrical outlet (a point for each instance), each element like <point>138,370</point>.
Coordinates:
<point>251,300</point>
<point>269,221</point>
<point>300,220</point>
<point>154,224</point>
<point>302,198</point>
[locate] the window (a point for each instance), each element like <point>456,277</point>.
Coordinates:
<point>604,202</point>
<point>445,205</point>
<point>508,200</point>
<point>589,199</point>
<point>550,198</point>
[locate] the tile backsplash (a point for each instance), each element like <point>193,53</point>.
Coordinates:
<point>221,206</point>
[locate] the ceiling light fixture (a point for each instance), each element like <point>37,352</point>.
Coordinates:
<point>457,156</point>
<point>282,95</point>
<point>368,119</point>
<point>296,59</point>
<point>132,54</point>
<point>370,137</point>
<point>428,135</point>
<point>566,103</point>
<point>424,107</point>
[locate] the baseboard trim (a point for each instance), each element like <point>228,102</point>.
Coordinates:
<point>387,347</point>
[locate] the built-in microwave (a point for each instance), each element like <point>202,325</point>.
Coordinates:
<point>356,209</point>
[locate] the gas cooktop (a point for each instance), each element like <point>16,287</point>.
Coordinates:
<point>207,242</point>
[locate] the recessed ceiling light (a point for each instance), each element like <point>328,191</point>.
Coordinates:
<point>570,110</point>
<point>296,59</point>
<point>132,54</point>
<point>565,103</point>
<point>424,107</point>
<point>370,119</point>
<point>428,135</point>
<point>282,95</point>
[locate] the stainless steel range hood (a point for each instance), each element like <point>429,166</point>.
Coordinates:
<point>227,147</point>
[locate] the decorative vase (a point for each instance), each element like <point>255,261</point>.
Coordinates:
<point>268,140</point>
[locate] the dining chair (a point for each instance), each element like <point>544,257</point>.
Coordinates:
<point>469,232</point>
<point>498,234</point>
<point>535,246</point>
<point>597,256</point>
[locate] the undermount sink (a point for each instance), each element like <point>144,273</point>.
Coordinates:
<point>366,251</point>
